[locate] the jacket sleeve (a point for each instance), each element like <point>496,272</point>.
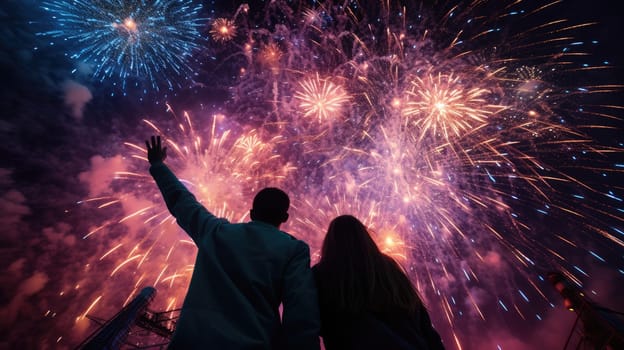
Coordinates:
<point>301,319</point>
<point>190,214</point>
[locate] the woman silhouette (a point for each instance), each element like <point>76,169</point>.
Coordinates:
<point>366,299</point>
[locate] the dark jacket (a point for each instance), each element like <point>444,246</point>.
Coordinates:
<point>243,272</point>
<point>391,330</point>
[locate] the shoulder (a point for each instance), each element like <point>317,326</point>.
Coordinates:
<point>277,237</point>
<point>292,239</point>
<point>297,249</point>
<point>299,246</point>
<point>289,239</point>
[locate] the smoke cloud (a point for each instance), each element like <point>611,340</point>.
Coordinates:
<point>76,97</point>
<point>98,179</point>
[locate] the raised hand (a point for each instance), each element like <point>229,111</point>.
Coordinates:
<point>155,152</point>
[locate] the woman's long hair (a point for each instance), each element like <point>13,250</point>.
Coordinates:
<point>354,276</point>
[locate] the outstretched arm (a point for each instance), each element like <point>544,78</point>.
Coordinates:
<point>190,214</point>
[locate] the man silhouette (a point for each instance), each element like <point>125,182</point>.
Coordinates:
<point>243,272</point>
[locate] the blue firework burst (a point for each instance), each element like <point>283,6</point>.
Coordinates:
<point>145,41</point>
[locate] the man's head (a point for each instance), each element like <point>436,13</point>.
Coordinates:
<point>270,205</point>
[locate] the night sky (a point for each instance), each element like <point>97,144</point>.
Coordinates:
<point>69,178</point>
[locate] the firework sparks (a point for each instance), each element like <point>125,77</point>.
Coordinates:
<point>129,40</point>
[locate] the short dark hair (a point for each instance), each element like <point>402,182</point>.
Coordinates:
<point>270,205</point>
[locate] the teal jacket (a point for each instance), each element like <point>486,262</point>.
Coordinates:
<point>243,272</point>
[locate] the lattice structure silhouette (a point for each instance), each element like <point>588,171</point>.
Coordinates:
<point>596,327</point>
<point>134,326</point>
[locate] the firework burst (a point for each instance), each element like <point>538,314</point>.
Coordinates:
<point>144,41</point>
<point>222,30</point>
<point>443,106</point>
<point>321,99</point>
<point>270,56</point>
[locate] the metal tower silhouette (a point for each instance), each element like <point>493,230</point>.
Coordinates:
<point>113,334</point>
<point>599,329</point>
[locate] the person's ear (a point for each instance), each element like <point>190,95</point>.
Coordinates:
<point>252,214</point>
<point>284,217</point>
